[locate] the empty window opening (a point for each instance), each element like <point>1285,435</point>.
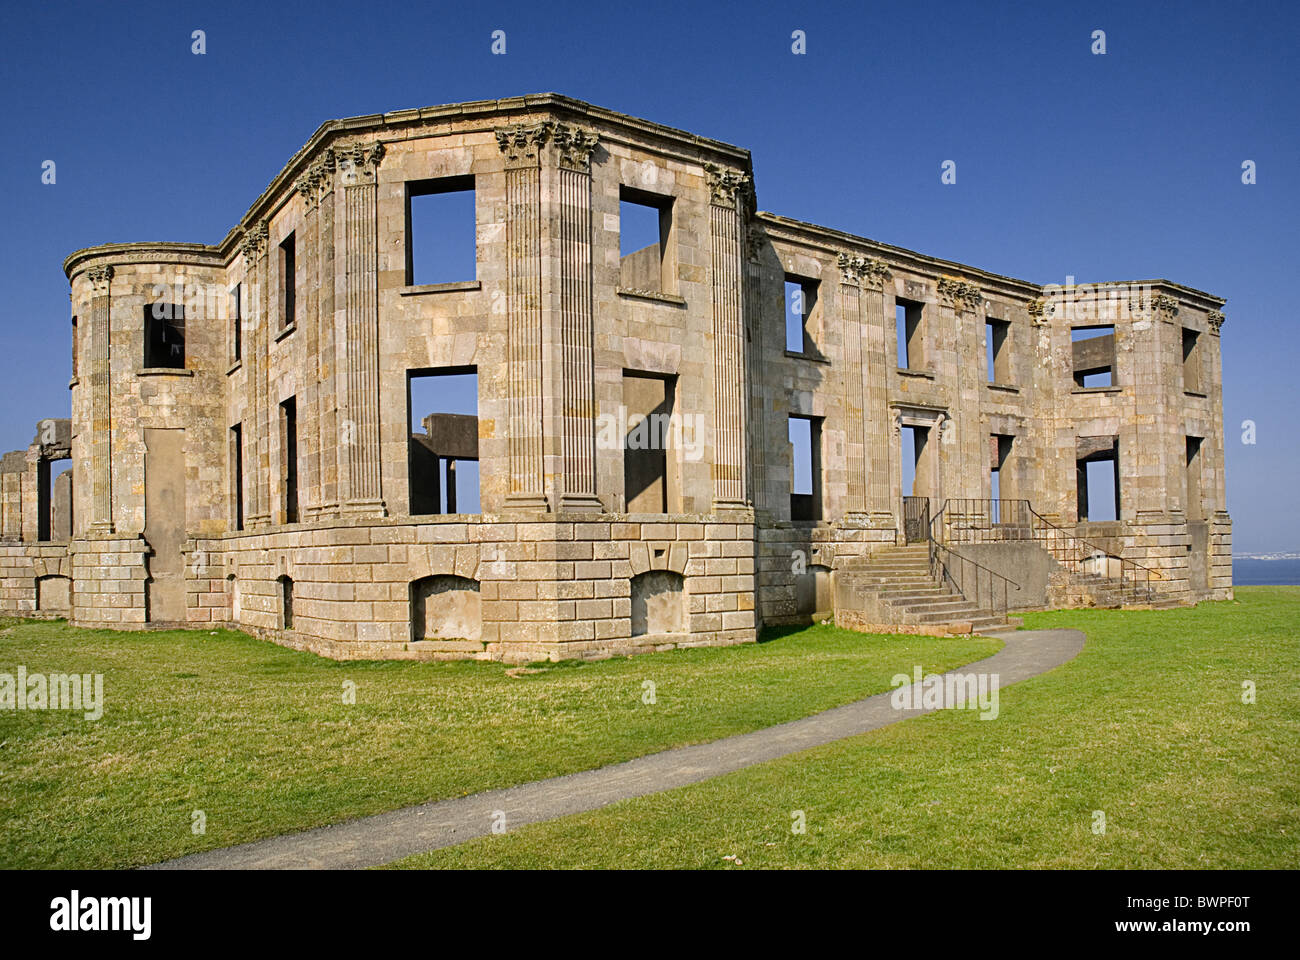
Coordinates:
<point>236,460</point>
<point>1191,361</point>
<point>442,464</point>
<point>1094,356</point>
<point>236,322</point>
<point>800,304</point>
<point>1097,472</point>
<point>441,238</point>
<point>164,335</point>
<point>805,435</point>
<point>54,500</point>
<point>650,481</point>
<point>1195,508</point>
<point>289,459</point>
<point>446,608</point>
<point>908,316</point>
<point>288,281</point>
<point>999,454</point>
<point>998,335</point>
<point>286,603</point>
<point>645,222</point>
<point>913,442</point>
<point>658,603</point>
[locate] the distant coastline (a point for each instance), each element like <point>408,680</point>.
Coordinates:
<point>1266,570</point>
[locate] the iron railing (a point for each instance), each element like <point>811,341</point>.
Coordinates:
<point>993,520</point>
<point>967,520</point>
<point>1091,558</point>
<point>916,519</point>
<point>972,580</point>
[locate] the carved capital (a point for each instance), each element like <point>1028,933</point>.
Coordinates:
<point>1159,304</point>
<point>1039,311</point>
<point>575,145</point>
<point>725,186</point>
<point>755,241</point>
<point>99,276</point>
<point>308,187</point>
<point>1215,320</point>
<point>522,143</point>
<point>358,162</point>
<point>254,240</point>
<point>868,271</point>
<point>962,293</point>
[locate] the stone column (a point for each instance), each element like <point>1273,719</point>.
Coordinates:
<point>726,224</point>
<point>319,443</point>
<point>308,385</point>
<point>327,372</point>
<point>358,166</point>
<point>522,148</point>
<point>756,418</point>
<point>101,440</point>
<point>1214,324</point>
<point>256,441</point>
<point>1152,444</point>
<point>965,441</point>
<point>878,424</point>
<point>853,377</point>
<point>577,481</point>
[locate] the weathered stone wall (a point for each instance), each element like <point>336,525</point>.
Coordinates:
<point>551,322</point>
<point>554,588</point>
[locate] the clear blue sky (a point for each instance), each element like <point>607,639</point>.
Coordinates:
<point>1116,167</point>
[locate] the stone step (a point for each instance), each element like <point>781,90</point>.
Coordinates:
<point>907,596</point>
<point>948,617</point>
<point>895,568</point>
<point>944,611</point>
<point>877,583</point>
<point>888,574</point>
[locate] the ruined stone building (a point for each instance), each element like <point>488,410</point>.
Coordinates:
<point>674,444</point>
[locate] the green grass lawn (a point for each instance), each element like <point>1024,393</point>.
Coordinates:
<point>1146,725</point>
<point>258,736</point>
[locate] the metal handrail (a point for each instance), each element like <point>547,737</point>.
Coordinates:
<point>1134,578</point>
<point>1143,587</point>
<point>934,546</point>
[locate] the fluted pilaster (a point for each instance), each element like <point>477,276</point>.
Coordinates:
<point>358,166</point>
<point>726,223</point>
<point>522,148</point>
<point>101,444</point>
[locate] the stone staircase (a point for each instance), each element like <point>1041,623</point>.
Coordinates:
<point>894,588</point>
<point>1078,589</point>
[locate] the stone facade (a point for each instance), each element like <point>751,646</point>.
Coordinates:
<point>187,511</point>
